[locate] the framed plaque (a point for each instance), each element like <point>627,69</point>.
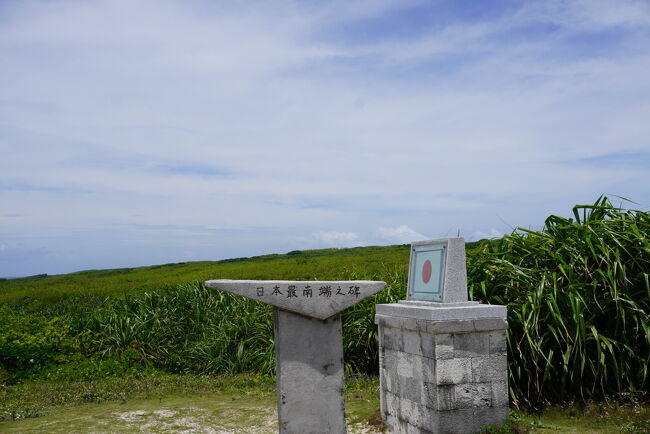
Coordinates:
<point>427,270</point>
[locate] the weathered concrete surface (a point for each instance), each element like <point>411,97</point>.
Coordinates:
<point>309,364</point>
<point>455,282</point>
<point>442,311</point>
<point>317,299</point>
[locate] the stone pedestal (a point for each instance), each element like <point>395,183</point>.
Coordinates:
<point>443,366</point>
<point>309,361</point>
<point>308,346</point>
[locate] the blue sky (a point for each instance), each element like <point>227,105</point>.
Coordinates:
<point>147,132</point>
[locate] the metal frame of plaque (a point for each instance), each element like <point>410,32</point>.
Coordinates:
<point>427,270</point>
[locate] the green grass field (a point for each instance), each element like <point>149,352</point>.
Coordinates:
<point>297,265</point>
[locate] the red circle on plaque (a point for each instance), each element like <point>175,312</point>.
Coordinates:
<point>426,271</point>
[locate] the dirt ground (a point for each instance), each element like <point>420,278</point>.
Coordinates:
<point>222,413</point>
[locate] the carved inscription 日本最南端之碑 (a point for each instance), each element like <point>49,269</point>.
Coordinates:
<point>294,291</point>
<point>314,298</point>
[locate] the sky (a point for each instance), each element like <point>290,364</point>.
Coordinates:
<point>143,132</point>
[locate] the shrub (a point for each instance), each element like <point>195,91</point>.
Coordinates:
<point>28,341</point>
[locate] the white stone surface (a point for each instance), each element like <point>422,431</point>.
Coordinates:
<point>316,299</point>
<point>439,312</point>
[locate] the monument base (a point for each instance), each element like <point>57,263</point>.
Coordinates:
<point>443,366</point>
<point>309,365</point>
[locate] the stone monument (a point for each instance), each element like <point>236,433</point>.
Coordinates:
<point>443,363</point>
<point>308,346</point>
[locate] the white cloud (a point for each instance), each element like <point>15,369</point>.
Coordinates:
<point>401,234</point>
<point>337,239</point>
<point>492,233</point>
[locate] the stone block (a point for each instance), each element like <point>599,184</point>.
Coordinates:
<point>408,323</point>
<point>389,381</point>
<point>393,338</point>
<point>392,423</point>
<point>393,322</point>
<point>428,345</point>
<point>392,404</point>
<point>421,325</point>
<point>453,326</point>
<point>444,346</point>
<point>410,388</point>
<point>490,416</point>
<point>498,342</point>
<point>488,324</point>
<point>410,429</point>
<point>460,421</point>
<point>413,412</point>
<point>469,420</point>
<point>429,395</point>
<point>453,371</point>
<point>385,363</point>
<point>408,365</point>
<point>446,395</point>
<point>421,418</point>
<point>489,368</point>
<point>471,395</point>
<point>382,399</point>
<point>412,343</point>
<point>471,344</point>
<point>428,372</point>
<point>500,394</point>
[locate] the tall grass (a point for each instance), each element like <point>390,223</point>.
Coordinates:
<point>182,329</point>
<point>578,299</point>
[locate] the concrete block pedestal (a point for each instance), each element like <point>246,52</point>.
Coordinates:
<point>443,366</point>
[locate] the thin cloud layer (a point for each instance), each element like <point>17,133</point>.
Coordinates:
<point>337,239</point>
<point>401,234</point>
<point>258,125</point>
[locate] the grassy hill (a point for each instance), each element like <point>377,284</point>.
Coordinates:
<point>321,264</point>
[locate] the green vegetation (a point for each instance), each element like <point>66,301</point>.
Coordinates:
<point>578,299</point>
<point>577,291</point>
<point>592,417</point>
<point>296,265</point>
<point>181,329</point>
